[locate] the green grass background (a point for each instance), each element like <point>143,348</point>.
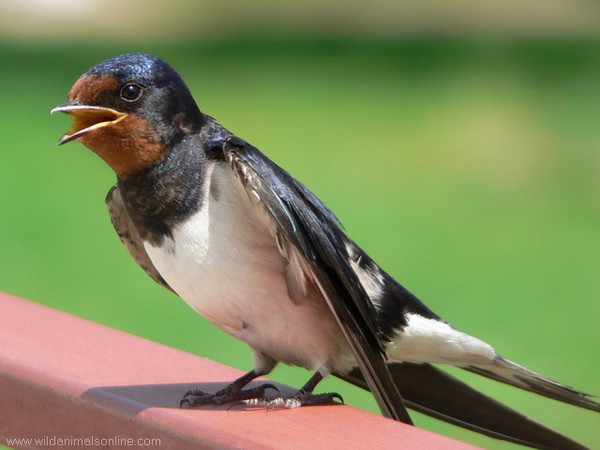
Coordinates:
<point>469,169</point>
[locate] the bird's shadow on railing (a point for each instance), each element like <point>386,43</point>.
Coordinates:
<point>136,398</point>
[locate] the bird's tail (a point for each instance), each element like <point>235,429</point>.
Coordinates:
<point>426,340</point>
<point>505,371</point>
<point>434,392</point>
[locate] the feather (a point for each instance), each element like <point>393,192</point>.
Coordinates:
<point>129,235</point>
<point>306,225</point>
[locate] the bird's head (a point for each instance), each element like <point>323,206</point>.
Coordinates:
<point>130,109</point>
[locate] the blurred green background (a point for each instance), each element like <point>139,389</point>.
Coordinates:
<point>462,153</point>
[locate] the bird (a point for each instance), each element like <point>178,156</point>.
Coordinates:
<point>255,252</point>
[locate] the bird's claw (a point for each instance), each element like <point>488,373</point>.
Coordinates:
<point>196,397</point>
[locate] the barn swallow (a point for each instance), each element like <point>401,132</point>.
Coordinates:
<point>251,249</point>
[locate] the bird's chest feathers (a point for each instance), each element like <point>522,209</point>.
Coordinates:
<point>223,260</point>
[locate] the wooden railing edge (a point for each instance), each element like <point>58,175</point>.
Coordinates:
<point>69,382</point>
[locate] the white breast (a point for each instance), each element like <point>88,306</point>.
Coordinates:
<point>224,263</point>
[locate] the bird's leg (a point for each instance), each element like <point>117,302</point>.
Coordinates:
<point>302,397</point>
<point>231,393</point>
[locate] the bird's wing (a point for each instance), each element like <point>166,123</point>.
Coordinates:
<point>129,235</point>
<point>434,392</point>
<point>309,235</point>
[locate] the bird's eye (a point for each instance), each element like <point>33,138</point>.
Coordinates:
<point>131,92</point>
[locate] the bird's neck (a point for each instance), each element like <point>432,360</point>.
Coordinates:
<point>167,193</point>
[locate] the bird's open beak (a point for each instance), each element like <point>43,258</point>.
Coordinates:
<point>86,119</point>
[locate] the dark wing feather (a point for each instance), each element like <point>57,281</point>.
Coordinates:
<point>303,222</point>
<point>129,235</point>
<point>434,392</point>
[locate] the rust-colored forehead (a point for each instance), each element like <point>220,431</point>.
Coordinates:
<point>88,87</point>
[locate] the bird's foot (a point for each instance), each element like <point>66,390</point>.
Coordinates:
<point>295,401</point>
<point>231,393</point>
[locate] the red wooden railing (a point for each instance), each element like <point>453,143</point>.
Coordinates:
<point>69,382</point>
